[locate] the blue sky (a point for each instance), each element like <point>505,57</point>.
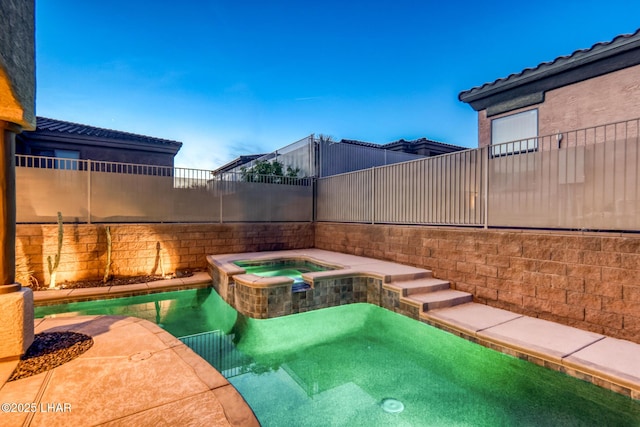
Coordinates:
<point>238,77</point>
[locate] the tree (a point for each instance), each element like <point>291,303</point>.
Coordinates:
<point>269,172</point>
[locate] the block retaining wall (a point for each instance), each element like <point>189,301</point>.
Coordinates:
<point>586,280</point>
<point>138,248</point>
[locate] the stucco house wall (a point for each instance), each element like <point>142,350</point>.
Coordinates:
<point>93,143</point>
<point>610,98</point>
<point>588,88</point>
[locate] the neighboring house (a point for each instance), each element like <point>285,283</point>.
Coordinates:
<point>590,87</point>
<point>323,157</point>
<point>237,163</point>
<point>60,139</point>
<point>422,146</point>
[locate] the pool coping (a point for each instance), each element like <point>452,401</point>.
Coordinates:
<point>61,296</point>
<point>601,360</point>
<point>344,265</point>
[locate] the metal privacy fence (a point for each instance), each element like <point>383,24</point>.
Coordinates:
<point>91,191</point>
<point>320,157</point>
<point>582,179</point>
<point>337,157</point>
<point>446,189</point>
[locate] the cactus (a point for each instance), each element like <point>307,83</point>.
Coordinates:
<point>53,266</point>
<point>107,268</point>
<point>24,274</point>
<point>160,260</point>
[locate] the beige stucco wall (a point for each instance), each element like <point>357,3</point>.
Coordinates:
<point>17,63</point>
<point>605,99</point>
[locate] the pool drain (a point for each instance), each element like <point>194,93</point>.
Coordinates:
<point>392,406</point>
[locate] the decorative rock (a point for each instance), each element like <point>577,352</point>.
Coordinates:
<point>50,350</point>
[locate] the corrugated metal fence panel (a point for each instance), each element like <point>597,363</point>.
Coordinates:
<point>588,186</point>
<point>346,197</point>
<point>113,192</point>
<point>264,202</point>
<point>438,190</point>
<point>41,193</point>
<point>337,158</point>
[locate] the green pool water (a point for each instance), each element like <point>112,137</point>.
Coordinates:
<point>287,269</point>
<point>292,270</point>
<point>361,365</point>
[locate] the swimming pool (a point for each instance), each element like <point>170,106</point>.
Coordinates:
<point>360,364</point>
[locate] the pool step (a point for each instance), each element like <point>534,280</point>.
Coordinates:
<point>412,287</point>
<point>438,299</point>
<point>428,293</point>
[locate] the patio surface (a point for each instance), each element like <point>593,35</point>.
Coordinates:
<point>138,374</point>
<point>135,374</point>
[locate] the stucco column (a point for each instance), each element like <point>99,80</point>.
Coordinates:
<point>17,112</point>
<point>16,303</point>
<point>8,211</point>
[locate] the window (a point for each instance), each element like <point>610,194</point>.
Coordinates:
<point>68,159</point>
<point>516,133</point>
<point>57,159</point>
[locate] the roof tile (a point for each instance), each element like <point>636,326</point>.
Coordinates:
<point>559,61</point>
<point>53,125</point>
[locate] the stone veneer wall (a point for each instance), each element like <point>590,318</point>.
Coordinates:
<point>138,248</point>
<point>278,300</point>
<point>586,280</point>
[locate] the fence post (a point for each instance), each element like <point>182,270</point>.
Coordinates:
<point>314,198</point>
<point>373,195</point>
<point>486,187</point>
<point>89,191</point>
<point>220,189</point>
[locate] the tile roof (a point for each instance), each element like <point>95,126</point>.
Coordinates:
<point>58,126</point>
<point>578,58</point>
<point>383,146</point>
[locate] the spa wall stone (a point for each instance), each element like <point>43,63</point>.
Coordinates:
<point>586,280</point>
<point>145,248</point>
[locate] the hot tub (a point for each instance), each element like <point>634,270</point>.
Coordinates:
<point>290,268</point>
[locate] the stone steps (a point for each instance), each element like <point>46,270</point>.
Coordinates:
<point>438,299</point>
<point>411,287</point>
<point>428,293</point>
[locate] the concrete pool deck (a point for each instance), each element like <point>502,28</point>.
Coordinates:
<point>134,374</point>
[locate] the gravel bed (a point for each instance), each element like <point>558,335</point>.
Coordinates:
<point>50,350</point>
